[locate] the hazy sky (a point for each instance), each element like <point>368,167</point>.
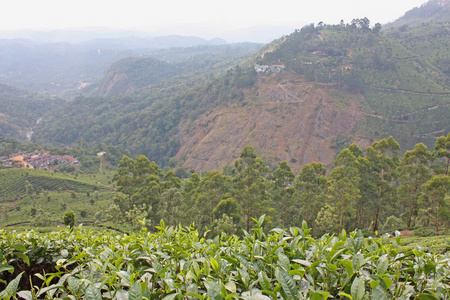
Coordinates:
<point>205,18</point>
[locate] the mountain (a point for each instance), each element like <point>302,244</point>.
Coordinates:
<point>103,36</point>
<point>301,98</point>
<point>133,73</point>
<point>142,121</point>
<point>434,11</point>
<point>341,84</point>
<point>21,110</point>
<point>54,68</point>
<point>426,31</point>
<point>57,67</point>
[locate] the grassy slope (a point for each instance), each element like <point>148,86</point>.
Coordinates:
<point>404,94</point>
<point>56,193</point>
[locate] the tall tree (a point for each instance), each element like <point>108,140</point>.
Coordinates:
<point>170,206</point>
<point>383,157</point>
<point>281,189</point>
<point>212,188</point>
<point>310,192</point>
<point>442,150</point>
<point>125,176</point>
<point>414,171</point>
<point>343,186</point>
<point>436,199</point>
<point>250,185</point>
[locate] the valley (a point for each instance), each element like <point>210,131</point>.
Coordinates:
<point>312,167</point>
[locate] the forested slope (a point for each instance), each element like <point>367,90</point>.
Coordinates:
<point>21,109</point>
<point>141,122</point>
<point>340,84</point>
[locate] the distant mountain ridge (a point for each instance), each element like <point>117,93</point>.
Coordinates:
<point>434,11</point>
<point>133,73</point>
<point>76,36</point>
<point>339,84</point>
<point>301,98</point>
<point>56,67</point>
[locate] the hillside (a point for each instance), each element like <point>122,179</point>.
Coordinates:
<point>20,110</point>
<point>342,84</point>
<point>144,121</point>
<point>14,183</point>
<point>434,11</point>
<point>302,98</point>
<point>290,120</point>
<point>37,198</point>
<point>430,41</point>
<point>130,74</point>
<point>58,67</point>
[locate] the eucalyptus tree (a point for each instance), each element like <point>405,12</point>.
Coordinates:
<point>281,189</point>
<point>124,177</point>
<point>171,180</point>
<point>170,206</point>
<point>141,181</point>
<point>365,184</point>
<point>250,184</point>
<point>414,171</point>
<point>383,157</point>
<point>436,199</point>
<point>147,182</point>
<point>442,150</point>
<point>310,192</point>
<point>343,185</point>
<point>212,188</point>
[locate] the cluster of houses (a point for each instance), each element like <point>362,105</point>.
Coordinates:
<point>263,69</point>
<point>39,159</point>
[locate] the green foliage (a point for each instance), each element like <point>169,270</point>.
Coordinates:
<point>442,151</point>
<point>393,223</point>
<point>69,218</point>
<point>17,182</point>
<point>362,191</point>
<point>21,109</point>
<point>436,198</point>
<point>144,122</point>
<point>176,262</point>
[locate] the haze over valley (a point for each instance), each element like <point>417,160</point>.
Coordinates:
<point>226,150</point>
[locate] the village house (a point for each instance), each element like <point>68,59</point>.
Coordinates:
<point>38,160</point>
<point>269,69</point>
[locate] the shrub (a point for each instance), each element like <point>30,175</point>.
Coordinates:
<point>69,218</point>
<point>393,223</point>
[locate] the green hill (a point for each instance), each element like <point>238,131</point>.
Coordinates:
<point>399,88</point>
<point>143,121</point>
<point>430,41</point>
<point>339,84</point>
<point>40,198</point>
<point>133,73</point>
<point>20,110</point>
<point>434,11</point>
<point>19,182</point>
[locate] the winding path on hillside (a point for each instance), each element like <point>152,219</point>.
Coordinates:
<point>405,91</point>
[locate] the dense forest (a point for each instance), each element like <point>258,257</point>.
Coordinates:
<point>372,190</point>
<point>402,93</point>
<point>21,109</point>
<point>143,122</point>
